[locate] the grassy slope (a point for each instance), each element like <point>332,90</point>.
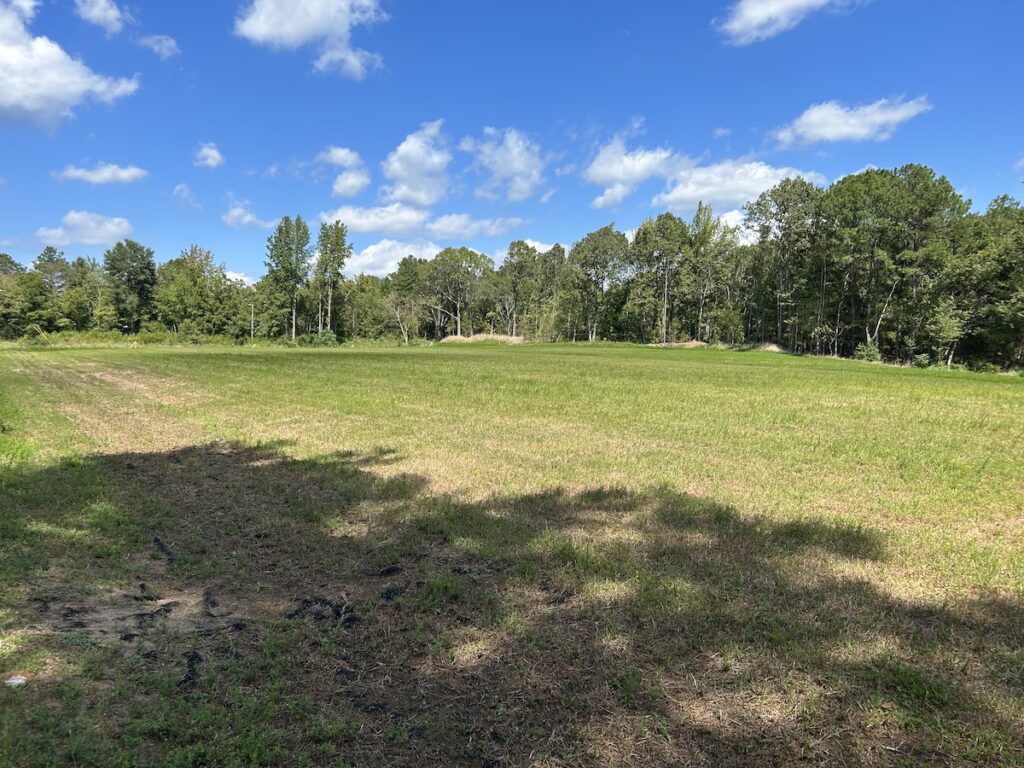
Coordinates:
<point>607,555</point>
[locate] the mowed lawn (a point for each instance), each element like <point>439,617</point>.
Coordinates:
<point>543,555</point>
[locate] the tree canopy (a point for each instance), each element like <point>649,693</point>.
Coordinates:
<point>883,264</point>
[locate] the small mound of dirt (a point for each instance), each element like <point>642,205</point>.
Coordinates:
<point>320,608</point>
<point>769,348</point>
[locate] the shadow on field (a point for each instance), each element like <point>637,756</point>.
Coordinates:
<point>231,605</point>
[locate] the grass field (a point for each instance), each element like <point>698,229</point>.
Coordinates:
<point>495,556</point>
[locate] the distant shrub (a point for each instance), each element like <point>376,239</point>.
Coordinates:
<point>868,353</point>
<point>984,367</point>
<point>922,361</point>
<point>322,339</point>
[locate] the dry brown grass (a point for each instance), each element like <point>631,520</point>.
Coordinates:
<point>476,338</point>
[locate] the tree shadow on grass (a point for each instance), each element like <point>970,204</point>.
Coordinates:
<point>229,605</point>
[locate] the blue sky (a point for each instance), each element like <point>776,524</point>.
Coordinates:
<point>426,124</point>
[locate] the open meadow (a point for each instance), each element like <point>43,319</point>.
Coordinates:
<point>535,555</point>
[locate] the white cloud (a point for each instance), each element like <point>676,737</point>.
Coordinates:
<point>382,257</point>
<point>537,245</point>
<point>620,171</point>
<point>289,24</point>
<point>546,197</point>
<point>86,228</point>
<point>183,194</point>
<point>457,226</point>
<point>41,83</point>
<point>832,121</point>
<point>750,21</point>
<point>721,133</point>
<point>513,161</point>
<point>418,167</point>
<point>1019,166</point>
<point>354,179</point>
<point>240,277</point>
<point>729,183</point>
<point>102,13</point>
<point>240,216</point>
<point>208,156</point>
<point>103,173</point>
<point>164,46</point>
<point>736,219</point>
<point>340,156</point>
<point>394,219</point>
<point>350,183</point>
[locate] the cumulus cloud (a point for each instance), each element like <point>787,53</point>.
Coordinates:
<point>102,13</point>
<point>183,194</point>
<point>458,226</point>
<point>394,219</point>
<point>208,156</point>
<point>240,277</point>
<point>340,156</point>
<point>418,167</point>
<point>86,228</point>
<point>750,21</point>
<point>620,171</point>
<point>515,163</point>
<point>286,24</point>
<point>103,173</point>
<point>42,84</point>
<point>164,46</point>
<point>239,215</point>
<point>351,181</point>
<point>729,183</point>
<point>736,219</point>
<point>832,121</point>
<point>382,257</point>
<point>537,245</point>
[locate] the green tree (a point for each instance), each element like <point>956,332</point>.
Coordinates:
<point>333,250</point>
<point>454,276</point>
<point>131,271</point>
<point>596,263</point>
<point>288,261</point>
<point>8,266</point>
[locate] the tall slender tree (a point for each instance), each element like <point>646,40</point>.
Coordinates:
<point>333,250</point>
<point>288,261</point>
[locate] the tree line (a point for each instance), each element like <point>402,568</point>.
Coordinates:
<point>882,264</point>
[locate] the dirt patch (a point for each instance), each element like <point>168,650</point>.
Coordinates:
<point>130,615</point>
<point>769,348</point>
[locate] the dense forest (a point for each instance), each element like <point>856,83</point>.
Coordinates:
<point>883,264</point>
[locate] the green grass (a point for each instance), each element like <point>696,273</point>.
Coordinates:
<point>481,556</point>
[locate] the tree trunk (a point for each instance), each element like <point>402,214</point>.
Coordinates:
<point>330,301</point>
<point>664,306</point>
